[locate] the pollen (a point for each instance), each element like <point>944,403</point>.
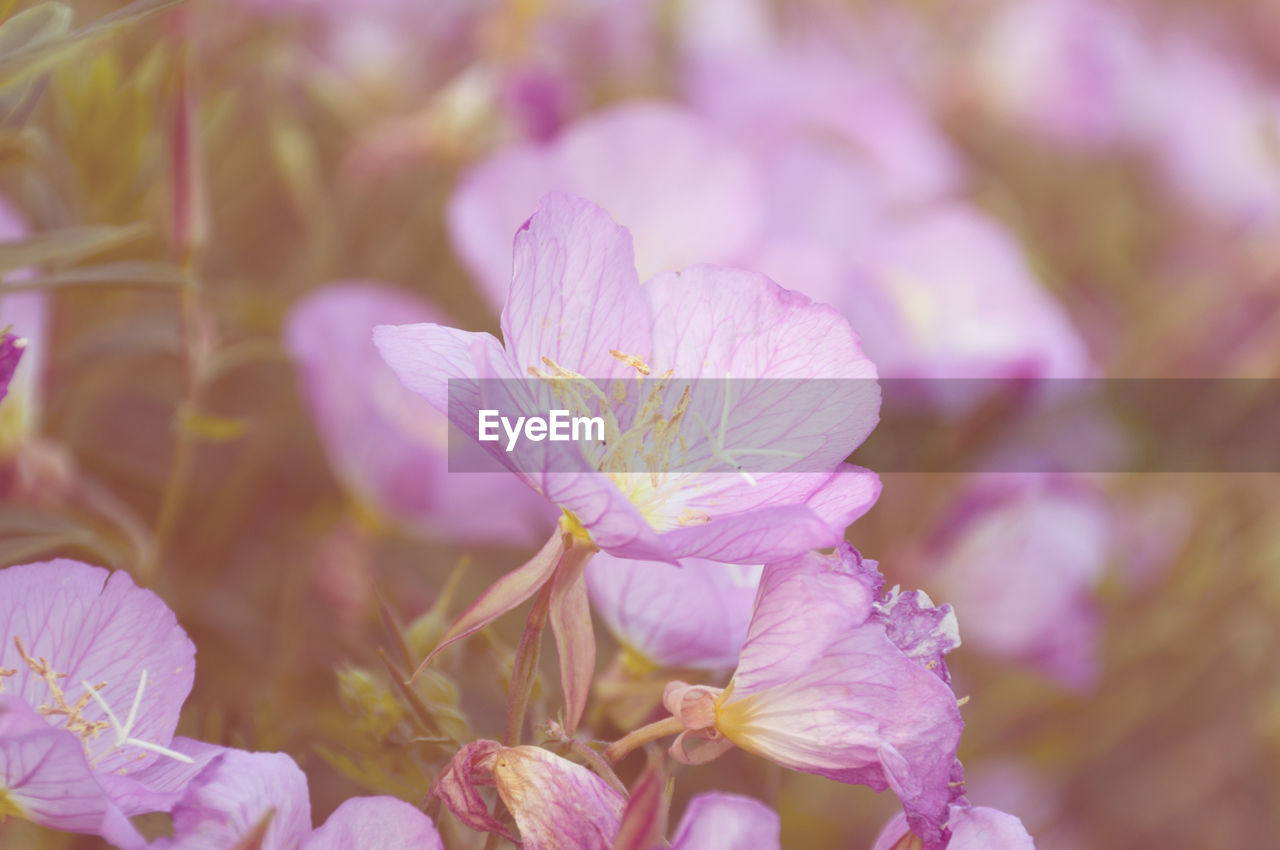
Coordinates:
<point>74,721</point>
<point>632,361</point>
<point>5,673</point>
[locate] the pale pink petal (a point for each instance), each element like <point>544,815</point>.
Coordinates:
<point>162,782</point>
<point>388,443</point>
<point>972,828</point>
<point>694,615</point>
<point>556,803</point>
<point>427,357</point>
<point>1020,558</point>
<point>766,534</point>
<point>45,776</point>
<point>632,160</point>
<point>234,795</point>
<point>574,293</point>
<point>948,293</point>
<point>97,626</point>
<point>376,823</point>
<point>849,493</point>
<point>718,821</point>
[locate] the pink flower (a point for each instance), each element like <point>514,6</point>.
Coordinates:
<point>692,616</point>
<point>686,195</point>
<point>388,444</point>
<point>1218,155</point>
<point>93,674</point>
<point>10,355</point>
<point>727,822</point>
<point>25,315</point>
<point>557,803</point>
<point>261,800</point>
<point>1073,72</point>
<point>972,828</point>
<point>1021,557</point>
<point>838,680</point>
<point>578,319</point>
<point>949,293</point>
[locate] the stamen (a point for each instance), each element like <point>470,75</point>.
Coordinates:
<point>123,732</point>
<point>5,673</point>
<point>632,361</point>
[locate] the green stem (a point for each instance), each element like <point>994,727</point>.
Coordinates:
<point>525,666</point>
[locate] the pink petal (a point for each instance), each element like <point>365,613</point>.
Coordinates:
<point>233,795</point>
<point>949,293</point>
<point>693,616</point>
<point>162,782</point>
<point>387,443</point>
<point>627,159</point>
<point>375,822</point>
<point>97,626</point>
<point>44,773</point>
<point>556,803</point>
<point>716,821</point>
<point>574,293</point>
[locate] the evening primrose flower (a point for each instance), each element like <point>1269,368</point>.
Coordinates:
<point>691,616</point>
<point>578,321</point>
<point>836,679</point>
<point>1022,555</point>
<point>386,443</point>
<point>557,803</point>
<point>260,800</point>
<point>23,339</point>
<point>93,674</point>
<point>972,828</point>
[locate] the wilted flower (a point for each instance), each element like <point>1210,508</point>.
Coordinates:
<point>261,800</point>
<point>387,443</point>
<point>838,680</point>
<point>557,803</point>
<point>93,674</point>
<point>1021,556</point>
<point>972,828</point>
<point>577,314</point>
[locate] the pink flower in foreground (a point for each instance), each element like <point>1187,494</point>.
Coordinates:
<point>838,680</point>
<point>387,443</point>
<point>693,615</point>
<point>557,803</point>
<point>1021,557</point>
<point>972,828</point>
<point>261,800</point>
<point>668,482</point>
<point>93,675</point>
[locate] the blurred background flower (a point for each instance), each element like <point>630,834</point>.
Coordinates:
<point>207,206</point>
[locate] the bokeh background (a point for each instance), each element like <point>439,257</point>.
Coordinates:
<point>177,177</point>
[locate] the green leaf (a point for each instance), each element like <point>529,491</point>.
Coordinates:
<point>65,245</point>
